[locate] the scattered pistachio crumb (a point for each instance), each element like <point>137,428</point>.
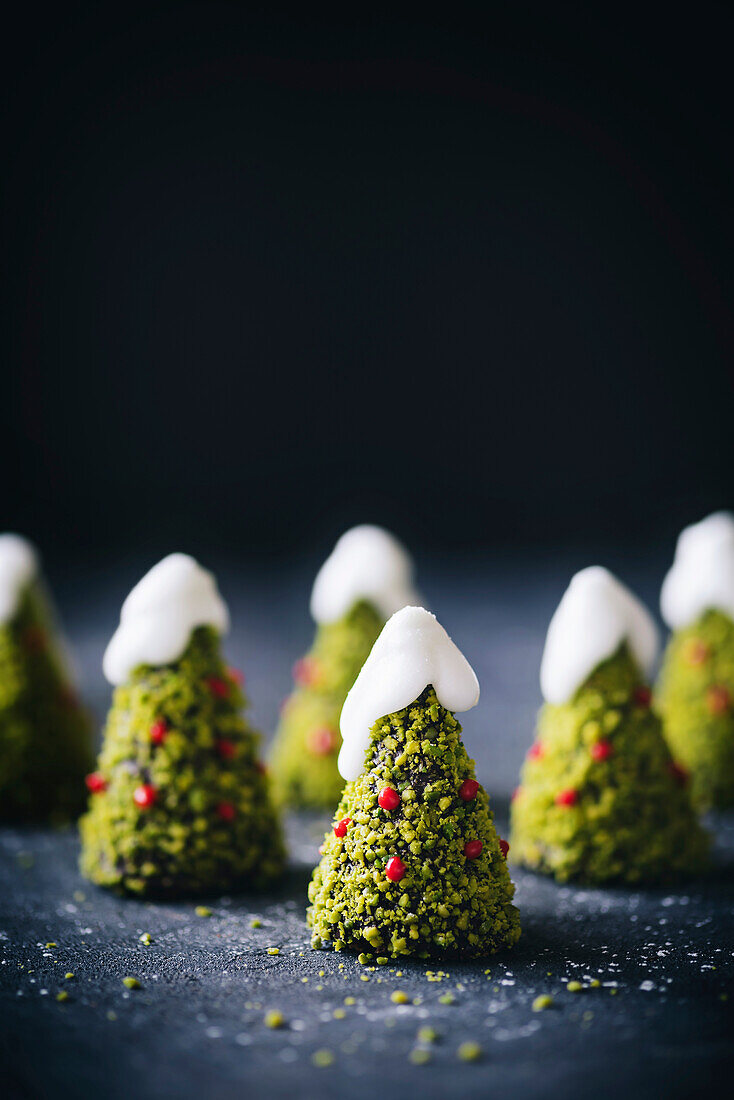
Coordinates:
<point>446,999</point>
<point>69,975</point>
<point>131,983</point>
<point>62,996</point>
<point>543,1001</point>
<point>419,1056</point>
<point>111,1016</point>
<point>322,1058</point>
<point>146,939</point>
<point>574,987</point>
<point>399,998</point>
<point>203,911</point>
<point>273,951</point>
<point>274,1018</point>
<point>50,945</point>
<point>594,983</point>
<point>364,977</point>
<point>427,1035</point>
<point>304,980</point>
<point>350,1001</point>
<point>339,1013</point>
<point>256,923</point>
<point>382,960</point>
<point>79,895</point>
<point>469,1052</point>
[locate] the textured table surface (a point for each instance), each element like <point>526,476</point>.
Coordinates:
<point>660,1018</point>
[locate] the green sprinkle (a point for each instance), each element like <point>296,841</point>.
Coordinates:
<point>574,987</point>
<point>427,1035</point>
<point>62,996</point>
<point>399,998</point>
<point>274,1018</point>
<point>69,975</point>
<point>322,1058</point>
<point>256,923</point>
<point>543,1001</point>
<point>446,999</point>
<point>203,911</point>
<point>146,939</point>
<point>131,983</point>
<point>420,1057</point>
<point>469,1052</point>
<point>273,951</point>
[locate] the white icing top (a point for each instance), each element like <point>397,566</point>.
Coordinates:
<point>18,567</point>
<point>412,652</point>
<point>597,613</point>
<point>159,615</point>
<point>367,563</point>
<point>701,577</point>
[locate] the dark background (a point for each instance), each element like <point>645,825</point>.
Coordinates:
<point>267,276</point>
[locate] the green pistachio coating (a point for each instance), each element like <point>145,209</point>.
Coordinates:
<point>45,735</point>
<point>600,799</point>
<point>695,699</point>
<point>446,905</point>
<point>307,742</point>
<point>210,824</point>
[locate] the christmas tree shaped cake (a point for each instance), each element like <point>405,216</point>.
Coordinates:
<point>695,692</point>
<point>412,865</point>
<point>45,735</point>
<point>179,803</point>
<point>367,577</point>
<point>600,797</point>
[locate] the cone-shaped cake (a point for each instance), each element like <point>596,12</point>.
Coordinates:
<point>695,692</point>
<point>368,576</point>
<point>179,803</point>
<point>601,798</point>
<point>45,735</point>
<point>413,864</point>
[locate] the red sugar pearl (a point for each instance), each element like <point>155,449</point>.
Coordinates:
<point>236,676</point>
<point>642,696</point>
<point>158,732</point>
<point>226,811</point>
<point>536,751</point>
<point>718,699</point>
<point>340,829</point>
<point>395,868</point>
<point>217,686</point>
<point>96,783</point>
<point>321,741</point>
<point>468,790</point>
<point>515,794</point>
<point>388,799</point>
<point>473,849</point>
<point>504,847</point>
<point>696,652</point>
<point>305,671</point>
<point>679,773</point>
<point>568,797</point>
<point>144,796</point>
<point>601,750</point>
<point>225,748</point>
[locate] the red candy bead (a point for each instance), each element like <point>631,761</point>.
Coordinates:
<point>144,796</point>
<point>679,773</point>
<point>468,790</point>
<point>395,868</point>
<point>236,676</point>
<point>504,847</point>
<point>158,732</point>
<point>718,699</point>
<point>536,751</point>
<point>305,671</point>
<point>601,750</point>
<point>515,794</point>
<point>642,696</point>
<point>96,783</point>
<point>321,741</point>
<point>226,811</point>
<point>567,798</point>
<point>340,829</point>
<point>218,687</point>
<point>473,849</point>
<point>225,748</point>
<point>388,799</point>
<point>696,652</point>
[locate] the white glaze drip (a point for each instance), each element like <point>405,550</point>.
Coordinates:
<point>702,575</point>
<point>18,567</point>
<point>367,563</point>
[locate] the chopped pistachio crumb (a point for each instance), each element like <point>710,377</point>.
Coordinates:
<point>274,1018</point>
<point>543,1001</point>
<point>364,977</point>
<point>256,923</point>
<point>146,939</point>
<point>382,960</point>
<point>574,987</point>
<point>51,944</point>
<point>273,951</point>
<point>304,980</point>
<point>111,1016</point>
<point>339,1013</point>
<point>446,999</point>
<point>69,975</point>
<point>131,983</point>
<point>427,1035</point>
<point>594,983</point>
<point>62,996</point>
<point>399,998</point>
<point>350,1001</point>
<point>203,911</point>
<point>79,895</point>
<point>419,1056</point>
<point>364,958</point>
<point>469,1052</point>
<point>322,1058</point>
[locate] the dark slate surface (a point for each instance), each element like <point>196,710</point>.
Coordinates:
<point>660,1019</point>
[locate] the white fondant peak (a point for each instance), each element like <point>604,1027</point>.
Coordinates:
<point>701,577</point>
<point>18,567</point>
<point>596,615</point>
<point>412,652</point>
<point>367,563</point>
<point>160,614</point>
